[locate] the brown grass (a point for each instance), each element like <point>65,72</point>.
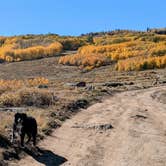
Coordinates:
<point>13,85</point>
<point>27,97</point>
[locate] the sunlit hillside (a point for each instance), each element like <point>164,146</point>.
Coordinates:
<point>123,49</point>
<point>31,47</point>
<point>126,50</point>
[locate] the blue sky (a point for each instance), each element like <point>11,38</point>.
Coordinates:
<point>73,17</point>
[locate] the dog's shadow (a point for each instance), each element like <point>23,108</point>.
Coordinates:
<point>46,157</point>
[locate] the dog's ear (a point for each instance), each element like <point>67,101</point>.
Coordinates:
<point>16,117</point>
<point>24,116</point>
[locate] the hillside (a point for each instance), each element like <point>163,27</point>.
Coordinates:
<point>125,50</point>
<point>41,74</point>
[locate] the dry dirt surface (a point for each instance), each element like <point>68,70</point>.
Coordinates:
<point>127,129</point>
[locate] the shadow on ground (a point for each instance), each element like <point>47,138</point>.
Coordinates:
<point>45,157</point>
<point>4,143</point>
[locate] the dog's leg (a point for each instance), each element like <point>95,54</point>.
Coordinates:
<point>29,138</point>
<point>34,139</point>
<point>13,133</point>
<point>22,136</point>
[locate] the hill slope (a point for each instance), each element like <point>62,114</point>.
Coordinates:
<point>137,136</point>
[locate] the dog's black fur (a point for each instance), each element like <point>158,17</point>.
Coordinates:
<point>27,126</point>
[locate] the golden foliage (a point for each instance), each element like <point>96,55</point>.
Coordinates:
<point>116,51</point>
<point>9,53</point>
<point>158,49</point>
<point>84,60</point>
<point>94,56</point>
<point>141,63</point>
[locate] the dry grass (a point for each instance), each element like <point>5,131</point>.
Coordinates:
<point>27,97</point>
<point>14,85</point>
<point>36,97</point>
<point>6,122</point>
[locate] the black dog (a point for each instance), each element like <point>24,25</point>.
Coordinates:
<point>25,125</point>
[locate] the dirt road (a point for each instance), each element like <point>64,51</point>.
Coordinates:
<point>128,129</point>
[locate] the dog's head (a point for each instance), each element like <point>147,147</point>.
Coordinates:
<point>19,118</point>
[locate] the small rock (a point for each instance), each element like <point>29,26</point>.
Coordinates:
<point>81,84</point>
<point>129,83</point>
<point>113,84</point>
<point>139,116</point>
<point>99,127</point>
<point>81,103</point>
<point>43,86</point>
<point>105,127</point>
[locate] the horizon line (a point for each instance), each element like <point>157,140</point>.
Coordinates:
<point>85,33</point>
